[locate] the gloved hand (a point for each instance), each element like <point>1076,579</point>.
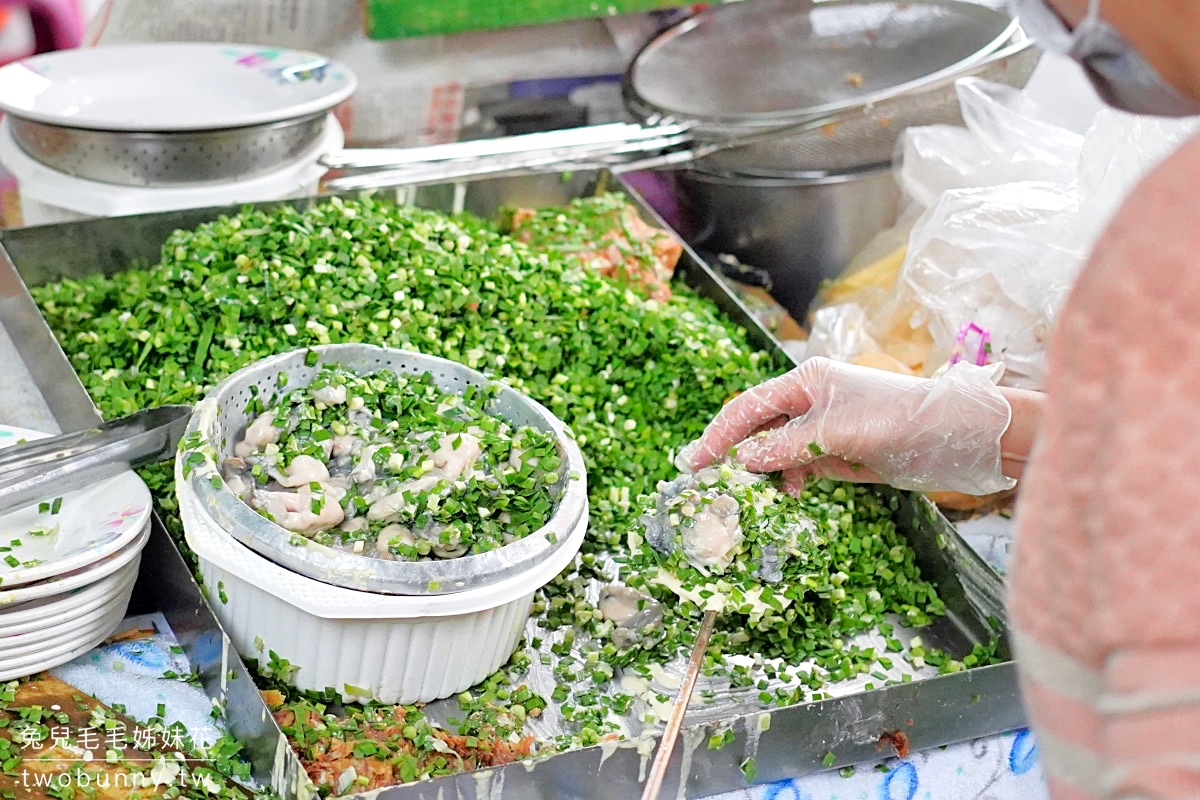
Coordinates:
<point>838,420</point>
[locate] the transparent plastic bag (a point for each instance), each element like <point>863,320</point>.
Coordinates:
<point>1009,208</point>
<point>840,332</point>
<point>1006,138</point>
<point>1001,258</point>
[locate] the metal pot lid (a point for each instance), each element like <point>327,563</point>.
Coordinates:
<point>766,61</point>
<point>176,86</point>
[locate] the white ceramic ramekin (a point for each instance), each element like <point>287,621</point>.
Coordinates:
<point>389,648</point>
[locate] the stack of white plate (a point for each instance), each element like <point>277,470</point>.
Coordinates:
<point>67,568</point>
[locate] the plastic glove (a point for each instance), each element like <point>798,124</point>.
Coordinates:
<point>838,420</point>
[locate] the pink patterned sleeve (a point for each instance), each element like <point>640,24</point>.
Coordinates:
<point>1105,591</point>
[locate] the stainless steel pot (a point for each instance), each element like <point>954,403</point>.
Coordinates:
<point>128,158</point>
<point>802,230</point>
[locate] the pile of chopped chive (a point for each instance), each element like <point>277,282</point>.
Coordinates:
<point>635,378</point>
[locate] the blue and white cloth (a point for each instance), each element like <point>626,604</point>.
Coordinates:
<point>146,675</point>
<point>1004,767</point>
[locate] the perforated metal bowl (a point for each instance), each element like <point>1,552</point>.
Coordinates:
<point>174,158</point>
<point>219,420</point>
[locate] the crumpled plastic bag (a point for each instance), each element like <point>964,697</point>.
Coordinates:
<point>1002,258</point>
<point>1006,139</point>
<point>840,332</point>
<point>862,308</point>
<point>1011,205</point>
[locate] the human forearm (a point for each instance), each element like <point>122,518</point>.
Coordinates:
<point>1017,440</point>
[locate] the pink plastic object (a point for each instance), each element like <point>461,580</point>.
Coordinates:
<point>983,348</point>
<point>57,24</point>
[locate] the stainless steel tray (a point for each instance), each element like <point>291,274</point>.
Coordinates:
<point>851,726</point>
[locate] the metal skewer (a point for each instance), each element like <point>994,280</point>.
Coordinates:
<point>658,770</point>
<point>527,143</point>
<point>503,164</point>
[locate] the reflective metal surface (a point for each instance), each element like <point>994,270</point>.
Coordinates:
<point>853,724</point>
<point>574,141</point>
<point>891,63</point>
<point>800,231</point>
<point>779,60</point>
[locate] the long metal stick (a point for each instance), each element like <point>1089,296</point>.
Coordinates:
<point>591,136</point>
<point>443,171</point>
<point>658,770</point>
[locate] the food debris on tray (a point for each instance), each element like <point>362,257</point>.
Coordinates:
<point>382,746</point>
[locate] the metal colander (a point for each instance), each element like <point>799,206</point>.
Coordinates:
<point>881,65</point>
<point>222,417</point>
<point>173,158</point>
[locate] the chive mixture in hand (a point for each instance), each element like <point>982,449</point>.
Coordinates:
<point>391,466</point>
<point>794,577</point>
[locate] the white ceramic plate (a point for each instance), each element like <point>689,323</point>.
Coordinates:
<point>175,86</point>
<point>64,534</point>
<point>80,577</point>
<point>29,643</point>
<point>52,611</point>
<point>62,652</point>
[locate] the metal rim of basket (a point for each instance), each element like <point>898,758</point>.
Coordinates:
<point>360,572</point>
<point>768,179</point>
<point>1011,66</point>
<point>169,158</point>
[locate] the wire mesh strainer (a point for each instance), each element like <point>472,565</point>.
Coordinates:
<point>222,416</point>
<point>736,69</point>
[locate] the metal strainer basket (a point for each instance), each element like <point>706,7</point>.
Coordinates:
<point>736,69</point>
<point>222,416</point>
<point>172,158</point>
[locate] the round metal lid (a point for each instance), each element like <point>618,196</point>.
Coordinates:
<point>766,61</point>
